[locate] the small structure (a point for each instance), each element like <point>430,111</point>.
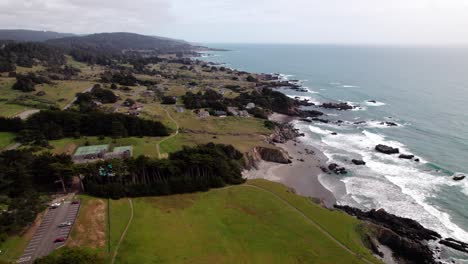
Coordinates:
<point>233,110</point>
<point>136,107</point>
<point>220,113</point>
<point>123,152</point>
<point>250,106</point>
<point>202,113</point>
<point>90,152</point>
<point>101,152</point>
<point>244,113</point>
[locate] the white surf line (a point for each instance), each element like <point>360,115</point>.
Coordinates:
<point>124,232</point>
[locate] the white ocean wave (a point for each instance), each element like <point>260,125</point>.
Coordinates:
<point>399,186</point>
<point>377,103</point>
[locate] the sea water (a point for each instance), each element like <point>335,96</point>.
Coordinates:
<point>422,89</point>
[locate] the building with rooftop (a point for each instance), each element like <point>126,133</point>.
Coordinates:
<point>101,152</point>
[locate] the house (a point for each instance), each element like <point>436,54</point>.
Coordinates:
<point>233,110</point>
<point>220,113</point>
<point>136,107</point>
<point>244,113</point>
<point>202,113</point>
<point>250,106</point>
<point>101,152</point>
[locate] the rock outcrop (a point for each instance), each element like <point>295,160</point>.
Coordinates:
<point>258,154</point>
<point>458,177</point>
<point>387,149</point>
<point>283,133</point>
<point>406,156</point>
<point>337,169</point>
<point>455,244</point>
<point>337,106</point>
<point>358,162</point>
<point>406,237</point>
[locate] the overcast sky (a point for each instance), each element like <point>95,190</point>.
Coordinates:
<point>260,21</point>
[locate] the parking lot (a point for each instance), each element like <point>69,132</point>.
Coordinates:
<point>44,240</point>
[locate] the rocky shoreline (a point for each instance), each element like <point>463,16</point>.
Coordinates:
<point>406,238</point>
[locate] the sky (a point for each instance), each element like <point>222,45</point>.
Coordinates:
<point>430,22</point>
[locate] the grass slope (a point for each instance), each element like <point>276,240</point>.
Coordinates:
<point>6,139</point>
<point>240,224</point>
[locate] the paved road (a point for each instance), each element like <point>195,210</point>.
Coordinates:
<point>42,243</point>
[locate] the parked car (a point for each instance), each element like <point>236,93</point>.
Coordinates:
<point>54,205</point>
<point>59,239</point>
<point>64,224</point>
<point>75,202</point>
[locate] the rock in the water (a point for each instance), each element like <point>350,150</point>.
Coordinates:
<point>337,169</point>
<point>386,149</point>
<point>455,244</point>
<point>417,160</point>
<point>334,133</point>
<point>458,177</point>
<point>391,124</point>
<point>321,120</point>
<point>358,162</point>
<point>405,237</point>
<point>337,106</point>
<point>406,156</point>
<point>372,101</point>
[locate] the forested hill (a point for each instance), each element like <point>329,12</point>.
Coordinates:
<point>22,35</point>
<point>121,41</point>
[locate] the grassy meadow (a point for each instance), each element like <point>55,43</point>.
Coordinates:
<point>239,224</point>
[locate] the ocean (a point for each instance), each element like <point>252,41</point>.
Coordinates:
<point>422,89</point>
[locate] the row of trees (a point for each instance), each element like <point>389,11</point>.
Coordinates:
<point>189,170</point>
<point>266,101</point>
<point>27,82</point>
<point>22,176</point>
<point>55,124</point>
<point>28,54</point>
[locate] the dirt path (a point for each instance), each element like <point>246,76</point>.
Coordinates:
<point>170,136</point>
<point>313,223</point>
<point>76,98</point>
<point>124,232</point>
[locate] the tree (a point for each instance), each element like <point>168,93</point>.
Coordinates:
<point>168,100</point>
<point>71,256</point>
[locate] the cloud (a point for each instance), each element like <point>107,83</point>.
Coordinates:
<point>330,21</point>
<point>85,16</point>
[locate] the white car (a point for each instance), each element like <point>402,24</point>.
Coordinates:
<point>64,224</point>
<point>54,205</point>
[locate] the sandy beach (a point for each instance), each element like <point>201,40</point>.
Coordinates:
<point>302,174</point>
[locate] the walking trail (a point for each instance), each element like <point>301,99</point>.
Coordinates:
<point>170,136</point>
<point>124,232</point>
<point>313,223</point>
<point>326,233</point>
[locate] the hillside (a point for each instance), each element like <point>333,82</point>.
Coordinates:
<point>30,35</point>
<point>120,41</point>
<point>259,222</point>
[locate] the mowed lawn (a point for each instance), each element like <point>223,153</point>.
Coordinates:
<point>239,224</point>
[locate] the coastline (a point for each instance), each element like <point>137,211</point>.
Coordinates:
<point>302,174</point>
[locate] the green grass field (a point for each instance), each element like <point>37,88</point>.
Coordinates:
<point>6,139</point>
<point>240,224</point>
<point>119,215</point>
